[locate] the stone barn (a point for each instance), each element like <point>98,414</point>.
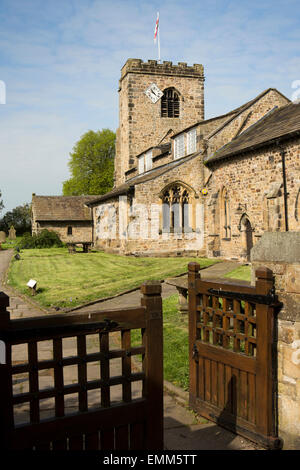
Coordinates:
<point>67,215</point>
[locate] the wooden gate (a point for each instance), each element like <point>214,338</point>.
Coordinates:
<point>131,423</point>
<point>231,330</point>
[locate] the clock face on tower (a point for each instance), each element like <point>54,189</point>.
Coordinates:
<point>153,93</point>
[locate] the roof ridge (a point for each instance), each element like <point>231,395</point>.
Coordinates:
<point>62,196</point>
<point>125,186</point>
<point>250,128</point>
<point>231,114</point>
<point>276,124</point>
<point>243,108</point>
<point>268,113</point>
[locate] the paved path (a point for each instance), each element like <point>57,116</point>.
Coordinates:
<point>219,269</point>
<point>18,307</point>
<point>183,430</point>
<point>134,298</point>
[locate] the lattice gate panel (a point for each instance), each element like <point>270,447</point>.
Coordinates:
<point>78,385</point>
<point>73,391</point>
<point>231,334</point>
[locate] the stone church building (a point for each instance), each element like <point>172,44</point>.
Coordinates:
<point>189,186</point>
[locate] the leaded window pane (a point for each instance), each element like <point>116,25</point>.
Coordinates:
<point>191,141</point>
<point>166,216</point>
<point>175,210</point>
<point>141,164</point>
<point>179,146</point>
<point>148,160</point>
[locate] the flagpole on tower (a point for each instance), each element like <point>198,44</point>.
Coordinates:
<point>158,41</point>
<point>157,36</point>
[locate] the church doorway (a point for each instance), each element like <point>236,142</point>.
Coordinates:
<point>249,238</point>
<point>247,230</point>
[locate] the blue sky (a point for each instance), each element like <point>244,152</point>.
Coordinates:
<point>61,61</point>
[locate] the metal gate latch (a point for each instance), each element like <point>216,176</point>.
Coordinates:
<point>195,352</point>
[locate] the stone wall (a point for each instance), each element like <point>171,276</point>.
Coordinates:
<point>208,129</point>
<point>106,226</point>
<point>140,123</point>
<point>81,231</point>
<point>281,253</point>
<point>146,238</point>
<point>254,188</point>
<point>245,119</point>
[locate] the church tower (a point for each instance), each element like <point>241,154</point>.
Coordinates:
<point>155,100</point>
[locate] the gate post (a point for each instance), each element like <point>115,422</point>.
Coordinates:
<point>6,405</point>
<point>193,276</point>
<point>153,364</point>
<point>264,363</point>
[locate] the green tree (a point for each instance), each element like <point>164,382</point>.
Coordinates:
<point>19,217</point>
<point>1,202</point>
<point>91,164</point>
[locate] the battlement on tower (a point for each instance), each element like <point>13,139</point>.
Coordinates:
<point>142,123</point>
<point>152,67</point>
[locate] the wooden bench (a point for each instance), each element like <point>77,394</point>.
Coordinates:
<point>181,284</point>
<point>86,246</point>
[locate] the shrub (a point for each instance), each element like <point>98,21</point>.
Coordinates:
<point>27,241</point>
<point>45,239</point>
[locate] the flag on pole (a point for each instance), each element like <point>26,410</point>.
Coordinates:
<point>156,28</point>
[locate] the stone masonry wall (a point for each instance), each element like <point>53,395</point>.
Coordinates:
<point>202,130</point>
<point>224,135</point>
<point>147,195</point>
<point>81,231</point>
<point>280,252</point>
<point>140,123</point>
<point>244,120</point>
<point>254,187</point>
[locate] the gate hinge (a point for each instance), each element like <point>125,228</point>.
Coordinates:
<point>269,299</point>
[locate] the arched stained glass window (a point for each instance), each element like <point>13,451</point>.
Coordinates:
<point>175,212</point>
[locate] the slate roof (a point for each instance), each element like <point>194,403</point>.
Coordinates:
<point>231,114</point>
<point>280,123</point>
<point>166,147</point>
<point>143,178</point>
<point>164,150</point>
<point>62,208</point>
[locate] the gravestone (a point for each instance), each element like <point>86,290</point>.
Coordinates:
<point>2,237</point>
<point>12,233</point>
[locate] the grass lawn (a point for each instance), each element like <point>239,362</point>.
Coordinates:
<point>10,243</point>
<point>176,347</point>
<point>66,280</point>
<point>176,343</point>
<point>175,330</point>
<point>242,272</point>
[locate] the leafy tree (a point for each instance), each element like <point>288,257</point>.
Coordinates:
<point>1,202</point>
<point>19,217</point>
<point>91,164</point>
